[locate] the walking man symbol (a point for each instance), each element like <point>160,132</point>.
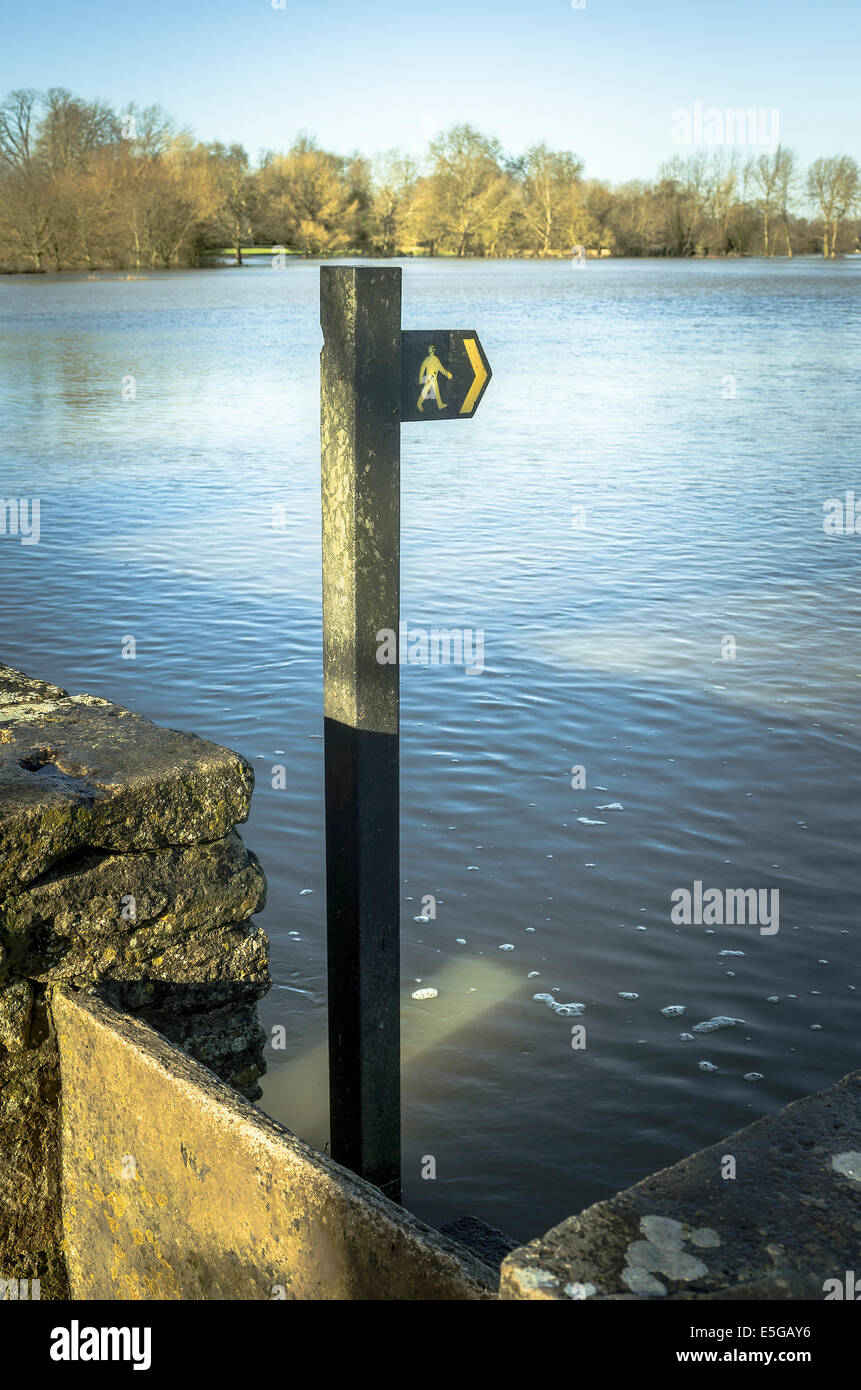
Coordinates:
<point>428,374</point>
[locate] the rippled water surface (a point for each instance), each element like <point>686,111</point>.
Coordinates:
<point>701,413</point>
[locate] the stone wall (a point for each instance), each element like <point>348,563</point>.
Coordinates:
<point>122,876</point>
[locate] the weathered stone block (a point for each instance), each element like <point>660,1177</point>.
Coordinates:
<point>78,772</point>
<point>129,916</point>
<point>16,1006</point>
<point>209,1012</point>
<point>163,934</point>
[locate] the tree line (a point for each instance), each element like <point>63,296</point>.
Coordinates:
<point>83,186</point>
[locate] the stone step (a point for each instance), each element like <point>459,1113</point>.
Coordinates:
<point>772,1212</point>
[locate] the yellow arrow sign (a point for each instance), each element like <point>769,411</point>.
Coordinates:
<point>478,367</point>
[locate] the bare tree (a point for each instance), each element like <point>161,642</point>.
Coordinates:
<point>683,192</point>
<point>548,187</point>
<point>26,204</point>
<point>309,199</point>
<point>71,130</point>
<point>787,189</point>
<point>833,184</point>
<point>847,193</point>
<point>394,179</point>
<point>470,190</point>
<point>17,128</point>
<point>236,190</point>
<point>146,138</point>
<point>722,185</point>
<point>763,176</point>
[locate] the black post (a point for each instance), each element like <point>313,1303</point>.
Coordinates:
<point>360,389</point>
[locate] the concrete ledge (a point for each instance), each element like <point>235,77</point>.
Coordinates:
<point>789,1219</point>
<point>174,1187</point>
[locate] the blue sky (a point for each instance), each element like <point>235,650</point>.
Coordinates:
<point>368,74</point>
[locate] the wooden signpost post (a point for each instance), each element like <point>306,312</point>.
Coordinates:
<point>373,377</point>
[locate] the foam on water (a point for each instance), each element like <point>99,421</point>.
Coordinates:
<point>564,1010</point>
<point>711,1025</point>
